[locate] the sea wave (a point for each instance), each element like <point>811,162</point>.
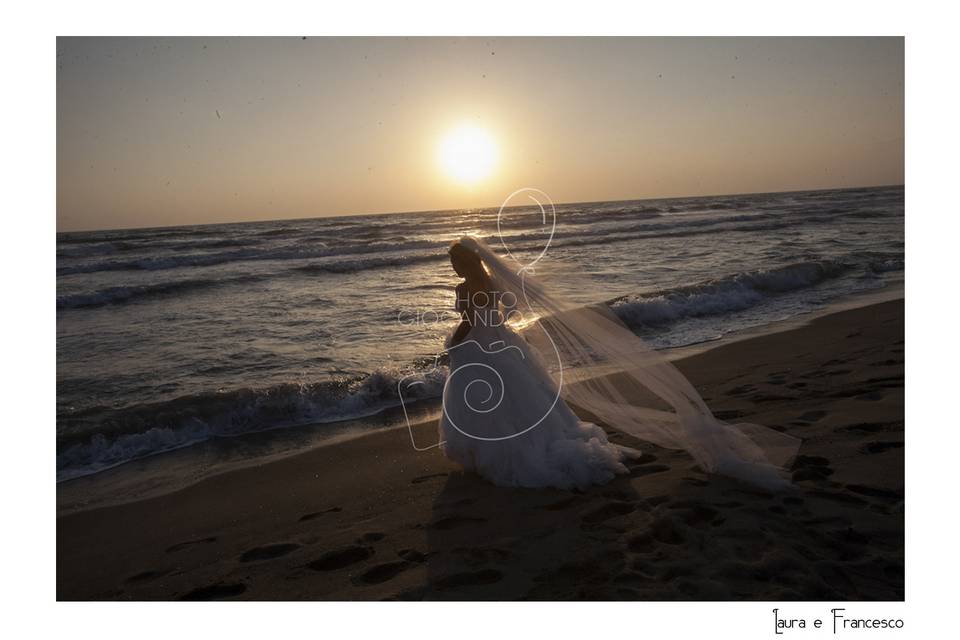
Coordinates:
<point>426,252</point>
<point>302,243</point>
<point>293,251</point>
<point>886,265</point>
<point>145,245</point>
<point>125,294</point>
<point>99,438</point>
<point>725,295</point>
<point>364,264</point>
<point>131,293</point>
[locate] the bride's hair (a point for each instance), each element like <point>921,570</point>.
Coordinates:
<point>461,254</point>
<point>459,250</point>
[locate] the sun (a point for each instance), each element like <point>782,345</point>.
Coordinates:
<point>468,154</point>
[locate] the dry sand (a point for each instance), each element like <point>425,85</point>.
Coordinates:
<point>370,518</point>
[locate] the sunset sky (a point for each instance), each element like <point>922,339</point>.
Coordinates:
<point>154,132</point>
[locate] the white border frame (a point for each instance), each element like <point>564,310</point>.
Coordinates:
<point>28,260</point>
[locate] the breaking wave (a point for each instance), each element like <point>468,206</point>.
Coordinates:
<point>725,295</point>
<point>95,439</point>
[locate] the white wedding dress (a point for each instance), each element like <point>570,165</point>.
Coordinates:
<point>503,417</point>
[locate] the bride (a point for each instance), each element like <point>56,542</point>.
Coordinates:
<point>505,403</point>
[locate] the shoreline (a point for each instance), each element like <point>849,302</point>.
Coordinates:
<point>175,469</point>
<point>369,518</point>
<point>887,293</point>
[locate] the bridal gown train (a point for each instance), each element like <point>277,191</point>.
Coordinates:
<point>503,417</point>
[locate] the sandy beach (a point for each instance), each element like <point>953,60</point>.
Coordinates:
<point>369,518</point>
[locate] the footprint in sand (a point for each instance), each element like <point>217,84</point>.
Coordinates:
<point>432,476</point>
<point>560,505</point>
<point>888,382</point>
<point>453,522</point>
<point>340,558</point>
<point>383,572</point>
<point>812,474</point>
<point>729,414</point>
<point>412,555</point>
<point>880,447</point>
<point>770,397</point>
<point>643,543</point>
<point>885,363</point>
<point>874,492</point>
<point>694,514</point>
<point>482,555</point>
<point>647,469</point>
<point>667,531</point>
<point>813,468</point>
<point>190,543</point>
<point>608,511</point>
<point>742,389</point>
<point>645,458</point>
<point>656,501</point>
<point>218,591</point>
<point>373,536</point>
<point>729,504</point>
<point>269,551</point>
<point>848,543</point>
<point>618,494</point>
<point>642,466</point>
<point>868,427</point>
<point>317,514</point>
<point>847,392</point>
<point>146,576</point>
<point>468,579</point>
<point>462,502</point>
<point>837,497</point>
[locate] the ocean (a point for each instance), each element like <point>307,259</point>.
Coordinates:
<point>175,336</point>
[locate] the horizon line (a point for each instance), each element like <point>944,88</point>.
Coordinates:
<point>428,211</point>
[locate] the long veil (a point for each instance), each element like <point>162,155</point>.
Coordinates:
<point>608,371</point>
